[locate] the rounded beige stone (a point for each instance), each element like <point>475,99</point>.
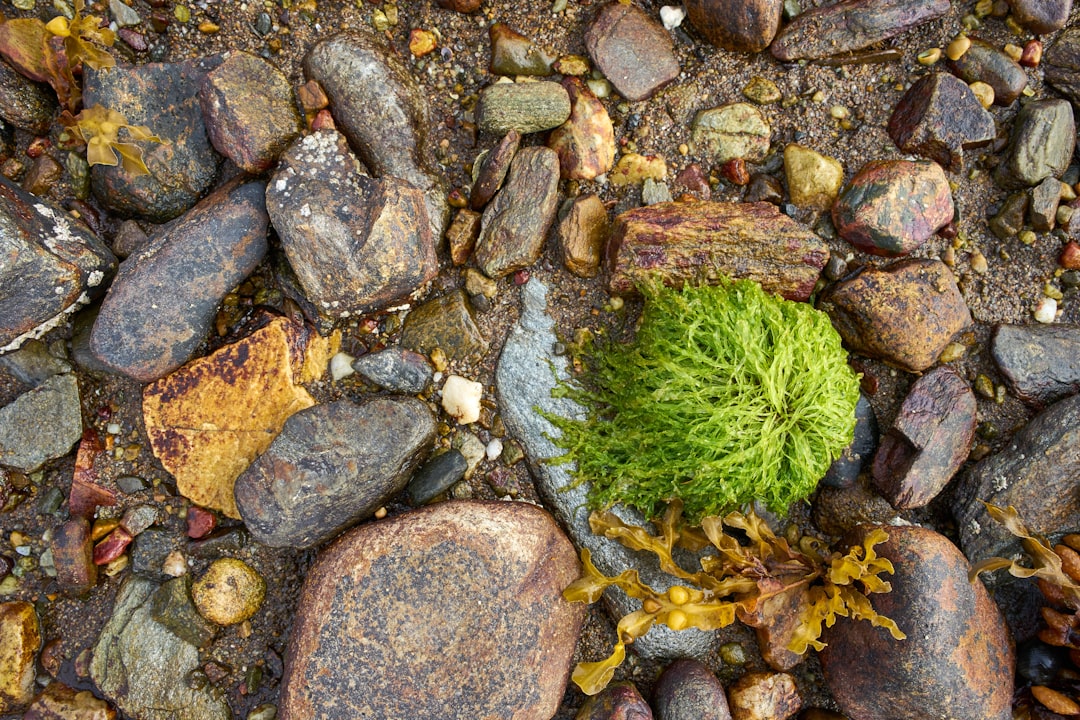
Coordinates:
<point>230,592</point>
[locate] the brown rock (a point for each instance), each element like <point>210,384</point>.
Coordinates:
<point>60,702</point>
<point>986,63</point>
<point>43,175</point>
<point>710,240</point>
<point>687,690</point>
<point>516,222</point>
<point>493,170</point>
<point>514,54</point>
<point>957,660</point>
<point>582,234</point>
<point>929,440</point>
<point>585,143</point>
<point>73,556</point>
<point>25,104</point>
<point>774,620</point>
<point>20,641</point>
<point>1061,64</point>
<point>445,323</point>
<point>1009,219</point>
<point>618,701</point>
<point>744,26</point>
<point>837,510</point>
<point>461,6</point>
<point>764,696</point>
<point>461,235</point>
<point>904,313</point>
<point>632,50</point>
<point>851,25</point>
<point>1041,16</point>
<point>485,579</point>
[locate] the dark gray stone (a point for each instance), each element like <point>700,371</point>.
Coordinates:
<point>984,62</point>
<point>172,606</point>
<point>1061,64</point>
<point>33,364</point>
<point>1041,16</point>
<point>395,369</point>
<point>845,469</point>
<point>436,477</point>
<point>1040,363</point>
<point>1041,144</point>
<point>1044,204</point>
<point>687,690</point>
<point>1009,219</point>
<point>25,104</point>
<point>150,549</point>
<point>41,424</point>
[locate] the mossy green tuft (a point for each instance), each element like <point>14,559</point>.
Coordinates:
<point>727,395</point>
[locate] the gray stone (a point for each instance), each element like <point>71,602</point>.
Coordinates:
<point>1044,204</point>
<point>687,690</point>
<point>527,372</point>
<point>845,469</point>
<point>653,192</point>
<point>141,666</point>
<point>527,107</point>
<point>25,104</point>
<point>41,424</point>
<point>1061,64</point>
<point>172,606</point>
<point>735,130</point>
<point>1041,17</point>
<point>332,466</point>
<point>445,322</point>
<point>395,369</point>
<point>150,549</point>
<point>1041,144</point>
<point>436,476</point>
<point>1040,363</point>
<point>123,14</point>
<point>33,364</point>
<point>632,50</point>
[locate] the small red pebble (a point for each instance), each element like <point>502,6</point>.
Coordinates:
<point>735,172</point>
<point>323,120</point>
<point>37,147</point>
<point>521,277</point>
<point>1070,256</point>
<point>949,231</point>
<point>200,522</point>
<point>112,547</point>
<point>1031,56</point>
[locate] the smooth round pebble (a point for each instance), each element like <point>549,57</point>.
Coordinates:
<point>494,449</point>
<point>230,592</point>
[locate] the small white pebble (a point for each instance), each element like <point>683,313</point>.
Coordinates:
<point>461,399</point>
<point>175,564</point>
<point>113,428</point>
<point>672,16</point>
<point>1046,310</point>
<point>437,377</point>
<point>494,449</point>
<point>341,366</point>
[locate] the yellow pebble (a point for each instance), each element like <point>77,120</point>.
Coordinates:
<point>930,56</point>
<point>208,28</point>
<point>1014,51</point>
<point>958,47</point>
<point>983,92</point>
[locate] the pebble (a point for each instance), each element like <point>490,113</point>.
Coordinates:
<point>1040,364</point>
<point>123,14</point>
<point>1042,211</point>
<point>1009,220</point>
<point>462,234</point>
<point>744,26</point>
<point>461,399</point>
<point>983,62</point>
<point>200,522</point>
<point>485,578</point>
<point>653,192</point>
<point>331,467</point>
<point>762,91</point>
<point>735,130</point>
<point>73,556</point>
<point>173,607</point>
<point>962,670</point>
<point>395,369</point>
<point>60,702</point>
<point>764,696</point>
<point>492,171</point>
<point>150,550</point>
<point>583,232</point>
<point>633,51</point>
<point>138,518</point>
<point>1041,17</point>
<point>1041,144</point>
<point>230,592</point>
<point>25,104</point>
<point>43,175</point>
<point>845,469</point>
<point>634,168</point>
<point>813,179</point>
<point>20,641</point>
<point>341,366</point>
<point>436,476</point>
<point>526,107</point>
<point>687,690</point>
<point>1045,310</point>
<point>618,701</point>
<point>41,424</point>
<point>514,54</point>
<point>445,323</point>
<point>585,143</point>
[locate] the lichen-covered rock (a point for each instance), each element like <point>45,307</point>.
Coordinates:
<point>764,696</point>
<point>939,117</point>
<point>632,50</point>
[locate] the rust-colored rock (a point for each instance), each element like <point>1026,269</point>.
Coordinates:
<point>461,6</point>
<point>461,235</point>
<point>957,660</point>
<point>20,641</point>
<point>73,556</point>
<point>582,234</point>
<point>585,143</point>
<point>618,701</point>
<point>710,240</point>
<point>774,620</point>
<point>904,313</point>
<point>743,26</point>
<point>632,50</point>
<point>764,696</point>
<point>60,702</point>
<point>493,170</point>
<point>112,547</point>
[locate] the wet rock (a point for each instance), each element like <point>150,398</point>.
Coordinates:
<point>229,592</point>
<point>764,188</point>
<point>904,313</point>
<point>445,322</point>
<point>356,243</point>
<point>1041,16</point>
<point>164,97</point>
<point>112,547</point>
<point>939,117</point>
<point>24,103</point>
<point>461,399</point>
<point>1040,363</point>
<point>1035,473</point>
<point>514,54</point>
<point>138,518</point>
<point>735,130</point>
<point>33,364</point>
<point>527,107</point>
<point>129,238</point>
<point>165,297</point>
<point>361,640</point>
<point>891,207</point>
<point>461,6</point>
<point>963,669</point>
<point>618,701</point>
<point>745,26</point>
<point>585,143</point>
<point>332,466</point>
<point>516,221</point>
<point>813,179</point>
<point>142,666</point>
<point>1041,144</point>
<point>249,111</point>
<point>687,690</point>
<point>527,372</point>
<point>150,550</point>
<point>845,469</point>
<point>436,476</point>
<point>838,510</point>
<point>462,234</point>
<point>73,556</point>
<point>200,522</point>
<point>984,62</point>
<point>395,369</point>
<point>43,175</point>
<point>1009,219</point>
<point>582,234</point>
<point>851,25</point>
<point>929,440</point>
<point>707,240</point>
<point>172,606</point>
<point>764,696</point>
<point>41,424</point>
<point>60,702</point>
<point>633,51</point>
<point>1044,204</point>
<point>1061,64</point>
<point>20,641</point>
<point>51,266</point>
<point>775,620</point>
<point>493,170</point>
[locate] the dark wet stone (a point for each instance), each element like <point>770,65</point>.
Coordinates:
<point>929,440</point>
<point>851,25</point>
<point>445,322</point>
<point>1044,204</point>
<point>332,466</point>
<point>687,690</point>
<point>1041,16</point>
<point>527,107</point>
<point>360,645</point>
<point>24,103</point>
<point>1041,144</point>
<point>743,26</point>
<point>764,188</point>
<point>493,170</point>
<point>904,313</point>
<point>633,51</point>
<point>164,97</point>
<point>41,424</point>
<point>249,111</point>
<point>129,238</point>
<point>845,469</point>
<point>33,364</point>
<point>516,221</point>
<point>514,54</point>
<point>395,369</point>
<point>224,542</point>
<point>1009,219</point>
<point>150,549</point>
<point>962,668</point>
<point>43,175</point>
<point>166,295</point>
<point>939,117</point>
<point>838,510</point>
<point>585,143</point>
<point>1061,64</point>
<point>618,701</point>
<point>53,266</point>
<point>461,6</point>
<point>1040,363</point>
<point>172,606</point>
<point>356,243</point>
<point>73,556</point>
<point>436,477</point>
<point>986,63</point>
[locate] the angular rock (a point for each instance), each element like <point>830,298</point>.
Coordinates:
<point>1041,144</point>
<point>585,143</point>
<point>851,25</point>
<point>436,476</point>
<point>1040,363</point>
<point>395,369</point>
<point>142,666</point>
<point>462,234</point>
<point>33,364</point>
<point>764,696</point>
<point>50,266</point>
<point>891,207</point>
<point>249,111</point>
<point>331,467</point>
<point>963,669</point>
<point>493,170</point>
<point>904,313</point>
<point>939,117</point>
<point>1009,219</point>
<point>775,620</point>
<point>60,702</point>
<point>43,175</point>
<point>744,26</point>
<point>516,221</point>
<point>514,54</point>
<point>73,556</point>
<point>164,97</point>
<point>1041,16</point>
<point>709,240</point>
<point>163,302</point>
<point>172,606</point>
<point>356,243</point>
<point>618,701</point>
<point>445,322</point>
<point>687,690</point>
<point>24,103</point>
<point>735,130</point>
<point>633,51</point>
<point>984,62</point>
<point>837,510</point>
<point>1036,473</point>
<point>41,424</point>
<point>845,469</point>
<point>361,641</point>
<point>813,179</point>
<point>929,440</point>
<point>201,421</point>
<point>1061,64</point>
<point>20,641</point>
<point>526,107</point>
<point>149,551</point>
<point>1044,204</point>
<point>582,234</point>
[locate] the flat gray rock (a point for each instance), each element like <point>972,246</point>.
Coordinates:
<point>41,424</point>
<point>1040,363</point>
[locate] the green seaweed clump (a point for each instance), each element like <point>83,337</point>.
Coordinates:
<point>727,395</point>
